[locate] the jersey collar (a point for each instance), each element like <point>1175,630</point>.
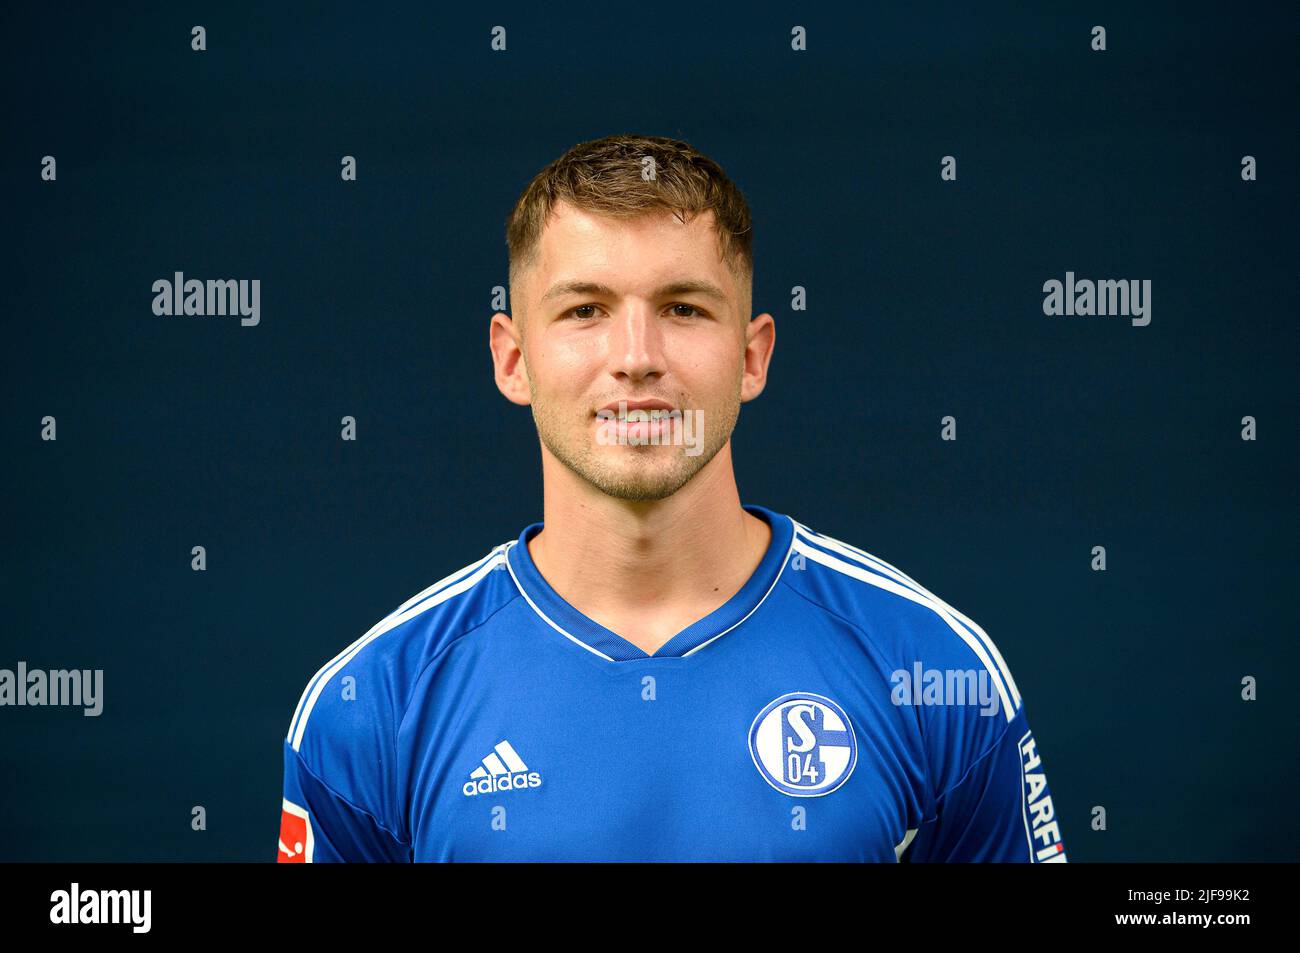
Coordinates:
<point>594,637</point>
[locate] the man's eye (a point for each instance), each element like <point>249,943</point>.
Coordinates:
<point>580,311</point>
<point>692,307</point>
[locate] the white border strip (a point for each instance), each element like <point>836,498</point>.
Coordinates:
<point>905,843</point>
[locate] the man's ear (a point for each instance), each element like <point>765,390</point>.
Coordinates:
<point>760,342</point>
<point>508,359</point>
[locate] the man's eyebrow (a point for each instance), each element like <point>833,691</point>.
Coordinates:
<point>686,286</point>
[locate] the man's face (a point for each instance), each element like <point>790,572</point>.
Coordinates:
<point>609,314</point>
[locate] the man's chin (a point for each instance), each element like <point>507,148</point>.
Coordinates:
<point>640,472</point>
<point>637,484</point>
<point>636,494</point>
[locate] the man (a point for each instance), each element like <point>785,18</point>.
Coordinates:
<point>656,671</point>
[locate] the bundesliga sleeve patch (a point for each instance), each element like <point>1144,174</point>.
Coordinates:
<point>295,834</point>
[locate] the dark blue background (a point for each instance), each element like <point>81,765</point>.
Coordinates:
<point>924,300</point>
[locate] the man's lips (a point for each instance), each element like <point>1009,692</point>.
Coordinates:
<point>638,421</point>
<point>616,406</point>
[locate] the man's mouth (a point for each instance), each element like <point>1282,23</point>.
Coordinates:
<point>637,410</point>
<point>639,421</point>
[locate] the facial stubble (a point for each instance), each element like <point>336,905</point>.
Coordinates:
<point>631,472</point>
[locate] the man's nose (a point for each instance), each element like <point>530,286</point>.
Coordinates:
<point>636,347</point>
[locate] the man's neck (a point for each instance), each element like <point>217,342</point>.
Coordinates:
<point>647,570</point>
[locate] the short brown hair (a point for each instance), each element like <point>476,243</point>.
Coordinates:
<point>604,176</point>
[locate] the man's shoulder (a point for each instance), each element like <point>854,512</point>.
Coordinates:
<point>899,615</point>
<point>367,683</point>
<point>861,586</point>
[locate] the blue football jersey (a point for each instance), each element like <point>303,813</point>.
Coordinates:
<point>834,709</point>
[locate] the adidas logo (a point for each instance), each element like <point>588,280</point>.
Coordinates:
<point>502,770</point>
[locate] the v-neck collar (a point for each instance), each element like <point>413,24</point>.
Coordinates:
<point>608,644</point>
